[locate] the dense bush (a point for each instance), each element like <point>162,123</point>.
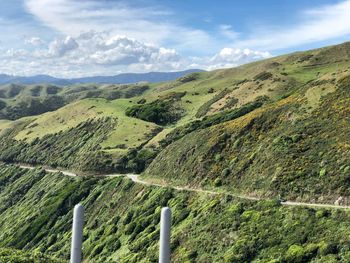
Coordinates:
<point>161,112</point>
<point>8,255</point>
<point>189,77</point>
<point>124,224</point>
<point>2,104</point>
<point>33,106</point>
<point>263,76</point>
<point>138,160</point>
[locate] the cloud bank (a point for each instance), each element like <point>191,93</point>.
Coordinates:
<point>95,53</point>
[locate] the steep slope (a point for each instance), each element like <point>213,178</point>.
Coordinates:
<point>296,148</point>
<point>122,222</point>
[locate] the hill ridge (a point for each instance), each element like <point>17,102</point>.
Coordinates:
<point>122,78</point>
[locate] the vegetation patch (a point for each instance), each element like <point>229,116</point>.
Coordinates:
<point>122,223</point>
<point>263,76</point>
<point>189,77</point>
<point>203,110</point>
<point>162,111</point>
<point>8,255</point>
<point>209,121</point>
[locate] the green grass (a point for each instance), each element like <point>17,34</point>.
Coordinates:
<point>128,131</point>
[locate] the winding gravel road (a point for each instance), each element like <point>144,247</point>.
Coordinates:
<point>135,178</point>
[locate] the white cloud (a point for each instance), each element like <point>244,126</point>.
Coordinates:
<point>228,58</point>
<point>89,54</point>
<point>60,47</point>
<point>34,41</point>
<point>231,55</point>
<point>119,50</point>
<point>227,31</point>
<point>160,26</point>
<point>316,25</point>
<point>15,54</point>
<point>102,53</point>
<point>155,24</point>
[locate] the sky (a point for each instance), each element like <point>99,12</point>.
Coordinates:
<point>75,38</point>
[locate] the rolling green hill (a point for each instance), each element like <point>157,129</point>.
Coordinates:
<point>145,119</point>
<point>274,129</point>
<point>17,100</point>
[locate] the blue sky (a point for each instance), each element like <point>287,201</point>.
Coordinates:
<point>68,38</point>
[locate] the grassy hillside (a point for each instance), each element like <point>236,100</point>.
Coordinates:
<point>18,100</point>
<point>122,223</point>
<point>145,119</point>
<point>296,148</point>
<point>272,128</point>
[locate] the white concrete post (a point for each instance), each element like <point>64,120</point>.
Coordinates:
<point>77,235</point>
<point>165,225</point>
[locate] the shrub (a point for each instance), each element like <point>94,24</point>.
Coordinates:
<point>225,172</point>
<point>130,228</point>
<point>128,218</point>
<point>97,250</point>
<point>327,248</point>
<point>2,104</point>
<point>323,172</point>
<point>237,143</point>
<point>218,157</point>
<point>217,182</point>
<point>159,112</point>
<point>263,76</point>
<point>189,77</point>
<point>141,101</point>
<point>295,254</point>
<point>211,90</point>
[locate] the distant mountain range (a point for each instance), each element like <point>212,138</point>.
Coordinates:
<point>116,79</point>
